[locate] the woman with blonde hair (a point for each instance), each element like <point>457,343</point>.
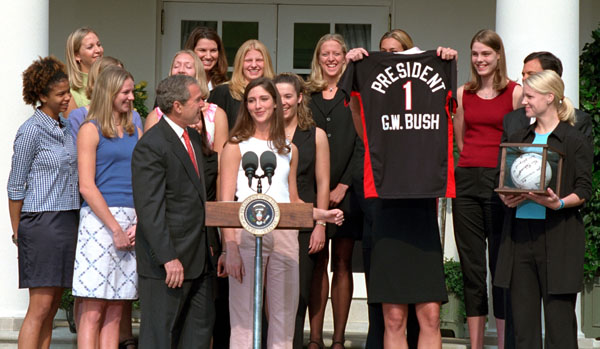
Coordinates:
<point>77,116</point>
<point>252,61</point>
<point>207,45</point>
<point>542,248</point>
<point>185,62</point>
<point>335,118</point>
<point>82,50</point>
<point>105,267</point>
<point>477,210</point>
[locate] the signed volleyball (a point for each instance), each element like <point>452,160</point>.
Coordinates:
<point>525,171</point>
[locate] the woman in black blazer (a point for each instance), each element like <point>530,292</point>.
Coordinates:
<point>334,117</point>
<point>542,247</point>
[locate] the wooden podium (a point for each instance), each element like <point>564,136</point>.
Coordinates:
<point>225,214</point>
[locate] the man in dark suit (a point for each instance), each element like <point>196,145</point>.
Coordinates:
<point>534,63</point>
<point>175,275</point>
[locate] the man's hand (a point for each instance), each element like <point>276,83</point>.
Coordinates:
<point>221,266</point>
<point>174,271</point>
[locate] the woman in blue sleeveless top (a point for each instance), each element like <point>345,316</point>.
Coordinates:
<point>105,268</point>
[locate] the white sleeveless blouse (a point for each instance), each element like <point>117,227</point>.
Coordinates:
<point>279,190</point>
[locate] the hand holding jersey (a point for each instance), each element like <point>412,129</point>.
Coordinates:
<point>404,103</point>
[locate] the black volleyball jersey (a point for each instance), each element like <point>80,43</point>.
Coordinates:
<point>406,105</point>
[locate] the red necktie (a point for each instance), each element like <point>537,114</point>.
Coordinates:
<point>190,151</point>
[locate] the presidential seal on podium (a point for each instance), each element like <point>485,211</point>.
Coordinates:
<point>259,214</point>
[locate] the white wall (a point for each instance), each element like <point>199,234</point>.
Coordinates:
<point>127,30</point>
<point>28,19</point>
<point>445,23</point>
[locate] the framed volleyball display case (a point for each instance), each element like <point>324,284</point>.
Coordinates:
<point>521,169</point>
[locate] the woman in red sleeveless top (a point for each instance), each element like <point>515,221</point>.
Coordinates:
<point>477,210</point>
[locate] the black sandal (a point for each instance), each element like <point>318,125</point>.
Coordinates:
<point>319,345</point>
<point>340,343</point>
<point>127,343</point>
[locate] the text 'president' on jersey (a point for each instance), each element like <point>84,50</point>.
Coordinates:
<point>406,103</point>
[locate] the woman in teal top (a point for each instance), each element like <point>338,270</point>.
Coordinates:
<point>542,245</point>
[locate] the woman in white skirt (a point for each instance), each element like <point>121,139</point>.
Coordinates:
<point>105,268</point>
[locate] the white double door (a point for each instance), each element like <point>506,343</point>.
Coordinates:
<point>290,32</point>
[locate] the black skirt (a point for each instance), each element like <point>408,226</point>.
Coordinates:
<point>406,258</point>
<point>46,244</point>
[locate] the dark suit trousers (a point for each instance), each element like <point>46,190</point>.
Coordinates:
<point>528,287</point>
<point>176,317</point>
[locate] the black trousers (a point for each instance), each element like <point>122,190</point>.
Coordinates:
<point>176,317</point>
<point>528,290</point>
<point>478,217</point>
<point>307,264</point>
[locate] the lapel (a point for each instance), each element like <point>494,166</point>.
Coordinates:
<point>327,108</point>
<point>317,99</point>
<point>182,155</point>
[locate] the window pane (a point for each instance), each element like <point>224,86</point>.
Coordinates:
<point>306,36</point>
<point>355,35</point>
<point>235,34</point>
<point>188,26</point>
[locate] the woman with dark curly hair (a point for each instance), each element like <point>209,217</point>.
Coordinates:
<point>207,44</point>
<point>44,199</point>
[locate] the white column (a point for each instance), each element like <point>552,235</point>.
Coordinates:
<point>23,37</point>
<point>541,25</point>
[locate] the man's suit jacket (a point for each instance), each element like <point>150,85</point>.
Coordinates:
<point>517,120</point>
<point>169,201</point>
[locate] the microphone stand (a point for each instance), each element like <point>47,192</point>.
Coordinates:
<point>258,282</point>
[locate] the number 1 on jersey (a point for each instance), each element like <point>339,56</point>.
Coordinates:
<point>408,94</point>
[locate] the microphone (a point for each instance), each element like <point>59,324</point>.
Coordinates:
<point>250,164</point>
<point>268,163</point>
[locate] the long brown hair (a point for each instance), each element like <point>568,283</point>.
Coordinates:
<point>304,114</point>
<point>218,74</point>
<point>244,126</point>
<point>109,83</point>
<point>491,39</point>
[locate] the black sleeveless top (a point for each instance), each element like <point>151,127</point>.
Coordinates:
<point>305,140</point>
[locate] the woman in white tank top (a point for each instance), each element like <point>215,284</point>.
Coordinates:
<point>259,128</point>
